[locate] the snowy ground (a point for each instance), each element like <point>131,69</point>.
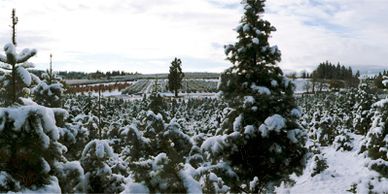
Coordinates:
<point>345,169</point>
<point>299,85</point>
<point>106,93</point>
<point>168,94</point>
<point>299,89</point>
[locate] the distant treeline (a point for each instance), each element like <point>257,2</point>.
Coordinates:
<point>338,76</point>
<point>327,70</point>
<point>94,75</point>
<point>84,75</point>
<point>125,76</point>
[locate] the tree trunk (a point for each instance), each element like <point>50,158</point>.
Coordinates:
<point>14,97</point>
<point>176,93</point>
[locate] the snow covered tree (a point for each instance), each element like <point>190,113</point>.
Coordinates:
<point>319,164</point>
<point>365,97</point>
<point>71,177</point>
<point>262,136</point>
<point>175,76</point>
<point>156,154</point>
<point>156,102</point>
<point>319,161</point>
<point>49,91</point>
<point>98,173</point>
<point>29,147</point>
<point>16,81</point>
<point>376,142</point>
<point>343,141</point>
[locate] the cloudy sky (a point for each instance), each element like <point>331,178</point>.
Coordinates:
<point>145,35</point>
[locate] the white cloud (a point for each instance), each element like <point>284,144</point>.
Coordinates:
<point>351,32</point>
<point>145,36</point>
<point>95,34</point>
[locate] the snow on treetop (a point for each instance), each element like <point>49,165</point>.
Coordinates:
<point>380,103</point>
<point>296,112</point>
<point>247,7</point>
<point>239,27</point>
<point>46,128</point>
<point>135,133</point>
<point>249,101</point>
<point>275,122</point>
<point>214,145</point>
<point>191,185</point>
<point>10,50</point>
<point>294,135</point>
<point>151,114</point>
<point>385,82</point>
<point>274,49</point>
<point>376,130</point>
<point>13,57</point>
<point>228,48</point>
<point>274,83</point>
<point>260,89</point>
<point>24,75</point>
<point>161,158</point>
<point>272,123</point>
<point>249,130</point>
<point>136,188</point>
<point>246,27</point>
<point>25,55</point>
<point>237,123</point>
<point>101,149</point>
<point>255,41</point>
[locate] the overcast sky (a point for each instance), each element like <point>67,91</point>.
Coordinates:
<point>145,35</point>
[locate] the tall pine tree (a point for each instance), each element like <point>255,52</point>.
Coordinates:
<point>175,76</point>
<point>261,135</point>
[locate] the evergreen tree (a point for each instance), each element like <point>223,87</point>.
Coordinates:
<point>16,81</point>
<point>29,147</point>
<point>100,178</point>
<point>49,91</point>
<point>358,74</point>
<point>157,152</point>
<point>156,104</point>
<point>365,97</point>
<point>261,137</point>
<point>31,154</point>
<point>376,142</point>
<point>175,76</point>
<point>378,81</point>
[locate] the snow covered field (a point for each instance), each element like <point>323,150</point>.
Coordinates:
<point>149,84</point>
<point>346,169</point>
